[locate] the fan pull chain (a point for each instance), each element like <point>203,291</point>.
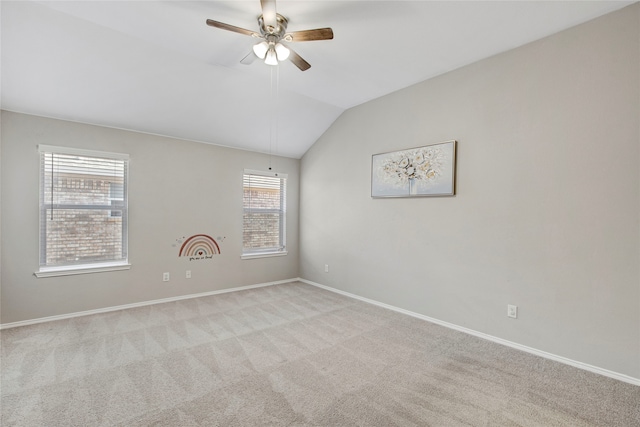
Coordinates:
<point>273,126</point>
<point>272,118</point>
<point>277,108</point>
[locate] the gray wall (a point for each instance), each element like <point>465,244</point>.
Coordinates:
<point>177,188</point>
<point>547,206</point>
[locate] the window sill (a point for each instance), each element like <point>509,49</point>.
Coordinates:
<point>264,255</point>
<point>86,269</point>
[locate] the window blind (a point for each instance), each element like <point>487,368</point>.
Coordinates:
<point>83,207</point>
<point>264,212</point>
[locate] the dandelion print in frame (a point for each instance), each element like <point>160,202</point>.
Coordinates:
<point>415,172</point>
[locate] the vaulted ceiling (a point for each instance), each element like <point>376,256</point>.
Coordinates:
<point>156,67</point>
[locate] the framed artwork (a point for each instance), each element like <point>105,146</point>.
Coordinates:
<point>416,172</point>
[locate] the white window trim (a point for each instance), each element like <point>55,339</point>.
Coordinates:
<point>81,152</point>
<point>264,254</point>
<point>80,269</point>
<point>267,253</point>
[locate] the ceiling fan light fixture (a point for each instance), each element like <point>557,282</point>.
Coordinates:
<point>282,52</point>
<point>261,49</point>
<point>272,57</point>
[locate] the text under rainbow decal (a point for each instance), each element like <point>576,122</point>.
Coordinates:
<point>199,246</point>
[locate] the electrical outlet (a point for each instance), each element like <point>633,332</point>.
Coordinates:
<point>512,311</point>
<point>188,274</point>
<point>326,268</point>
<point>165,277</point>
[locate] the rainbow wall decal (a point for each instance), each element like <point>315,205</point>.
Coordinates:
<point>199,245</point>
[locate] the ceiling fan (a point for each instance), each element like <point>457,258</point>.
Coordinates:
<point>273,31</point>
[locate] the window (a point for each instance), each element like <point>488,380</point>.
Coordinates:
<point>264,213</point>
<point>83,211</point>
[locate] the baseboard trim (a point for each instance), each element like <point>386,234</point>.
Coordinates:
<point>137,304</point>
<point>546,355</point>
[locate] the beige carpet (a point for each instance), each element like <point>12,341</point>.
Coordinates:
<point>288,355</point>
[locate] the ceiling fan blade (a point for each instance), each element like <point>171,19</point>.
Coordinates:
<point>233,28</point>
<point>249,58</point>
<point>298,61</point>
<point>269,13</point>
<point>310,35</point>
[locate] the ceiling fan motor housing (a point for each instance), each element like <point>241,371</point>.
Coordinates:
<point>278,31</point>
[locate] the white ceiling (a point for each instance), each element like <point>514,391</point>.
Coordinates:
<point>154,66</point>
